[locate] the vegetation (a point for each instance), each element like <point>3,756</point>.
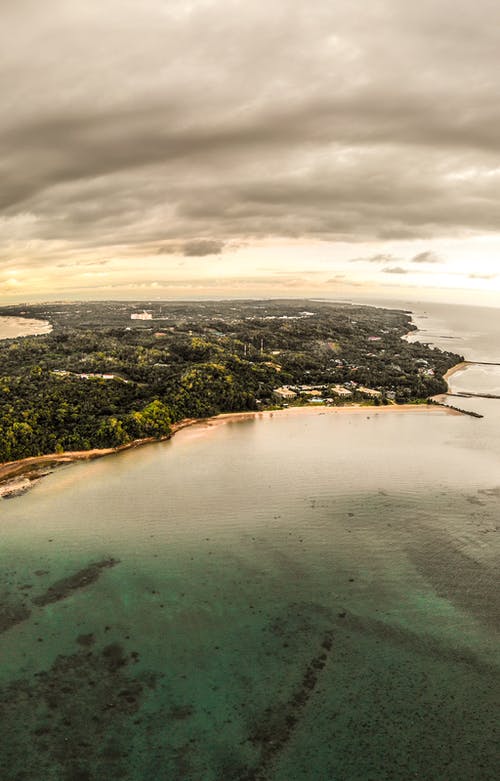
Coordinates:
<point>193,360</point>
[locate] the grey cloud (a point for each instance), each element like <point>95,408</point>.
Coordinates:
<point>168,249</point>
<point>378,258</point>
<point>395,270</point>
<point>156,123</point>
<point>426,257</point>
<point>199,248</point>
<point>195,248</point>
<point>482,276</point>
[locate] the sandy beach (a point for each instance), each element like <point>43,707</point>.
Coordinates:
<point>455,369</point>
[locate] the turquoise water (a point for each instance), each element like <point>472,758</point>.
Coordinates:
<point>307,595</point>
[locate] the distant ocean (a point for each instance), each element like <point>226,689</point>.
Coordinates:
<point>304,596</point>
<point>471,331</point>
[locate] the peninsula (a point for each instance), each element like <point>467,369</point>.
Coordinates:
<point>113,373</point>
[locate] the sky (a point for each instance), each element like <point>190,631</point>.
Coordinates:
<point>227,148</point>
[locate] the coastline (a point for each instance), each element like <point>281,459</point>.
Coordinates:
<point>454,369</point>
<point>17,477</point>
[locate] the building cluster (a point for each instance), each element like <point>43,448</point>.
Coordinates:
<point>324,394</point>
<point>89,375</point>
<point>141,315</point>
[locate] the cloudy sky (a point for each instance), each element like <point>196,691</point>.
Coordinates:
<point>186,148</point>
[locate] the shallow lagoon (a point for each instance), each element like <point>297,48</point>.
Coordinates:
<point>12,327</point>
<point>298,596</point>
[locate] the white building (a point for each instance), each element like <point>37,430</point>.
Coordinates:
<point>369,392</point>
<point>284,394</point>
<point>342,392</point>
<point>141,315</point>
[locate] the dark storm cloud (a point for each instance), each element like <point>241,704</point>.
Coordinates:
<point>132,123</point>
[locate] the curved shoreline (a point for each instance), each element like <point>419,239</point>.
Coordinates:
<point>463,366</point>
<point>29,326</point>
<point>455,369</point>
<point>27,470</point>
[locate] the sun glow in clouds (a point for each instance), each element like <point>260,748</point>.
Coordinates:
<point>223,149</point>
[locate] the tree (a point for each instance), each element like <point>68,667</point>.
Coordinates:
<point>111,433</point>
<point>153,421</point>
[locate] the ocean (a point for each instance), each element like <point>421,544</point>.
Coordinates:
<point>302,595</point>
<point>471,331</point>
